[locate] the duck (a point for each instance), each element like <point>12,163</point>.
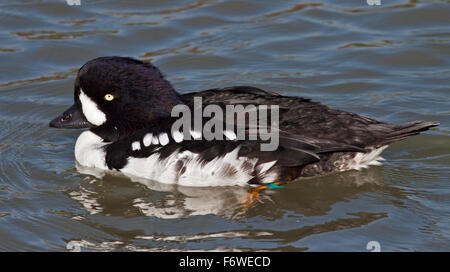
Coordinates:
<point>125,107</point>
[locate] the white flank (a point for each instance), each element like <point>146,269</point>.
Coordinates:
<point>147,139</point>
<point>90,110</point>
<point>263,167</point>
<point>363,160</point>
<point>196,172</point>
<point>89,150</point>
<point>265,173</point>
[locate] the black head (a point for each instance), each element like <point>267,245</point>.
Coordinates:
<point>116,96</point>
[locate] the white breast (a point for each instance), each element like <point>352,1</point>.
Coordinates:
<point>89,150</point>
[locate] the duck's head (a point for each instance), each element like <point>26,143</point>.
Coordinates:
<point>115,96</point>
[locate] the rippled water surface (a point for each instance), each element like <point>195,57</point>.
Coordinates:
<point>389,62</point>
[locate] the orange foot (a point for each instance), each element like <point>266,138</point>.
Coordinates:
<point>254,193</point>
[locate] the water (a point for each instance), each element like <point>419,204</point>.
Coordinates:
<point>390,62</point>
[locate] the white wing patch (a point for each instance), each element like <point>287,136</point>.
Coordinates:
<point>195,134</point>
<point>177,136</point>
<point>230,135</point>
<point>163,138</point>
<point>147,141</point>
<point>136,146</point>
<point>91,110</point>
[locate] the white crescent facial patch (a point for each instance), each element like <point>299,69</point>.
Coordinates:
<point>90,110</point>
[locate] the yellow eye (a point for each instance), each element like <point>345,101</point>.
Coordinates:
<point>109,97</point>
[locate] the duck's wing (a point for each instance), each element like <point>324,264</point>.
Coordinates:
<point>303,120</point>
<point>303,124</point>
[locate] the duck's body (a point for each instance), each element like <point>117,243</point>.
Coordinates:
<point>134,135</point>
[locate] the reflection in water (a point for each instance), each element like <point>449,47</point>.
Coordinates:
<point>181,202</point>
<point>102,193</point>
<point>84,245</point>
<point>176,202</point>
<point>194,201</point>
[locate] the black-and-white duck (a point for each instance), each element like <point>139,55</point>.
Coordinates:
<point>126,106</point>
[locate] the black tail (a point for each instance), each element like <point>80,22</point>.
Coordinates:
<point>408,129</point>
